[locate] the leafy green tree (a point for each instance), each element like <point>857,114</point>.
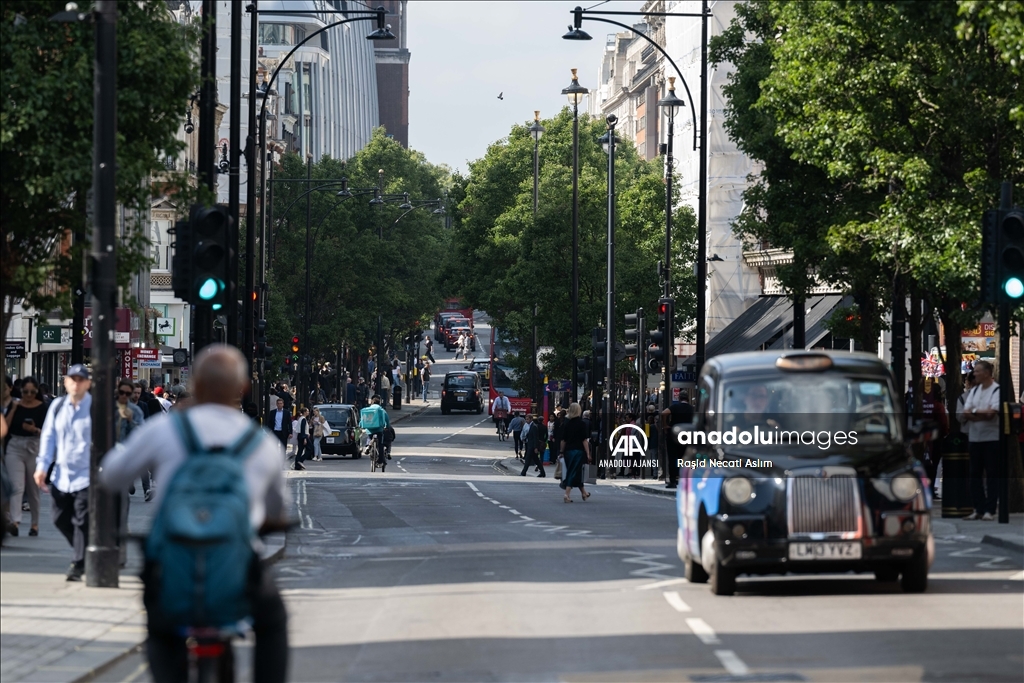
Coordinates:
<point>46,138</point>
<point>504,260</point>
<point>366,260</point>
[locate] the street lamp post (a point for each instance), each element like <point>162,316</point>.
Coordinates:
<point>575,93</point>
<point>670,103</point>
<point>608,142</point>
<point>536,131</point>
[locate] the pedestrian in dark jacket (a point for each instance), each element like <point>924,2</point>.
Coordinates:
<point>532,445</point>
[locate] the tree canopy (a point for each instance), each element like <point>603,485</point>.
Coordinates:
<point>504,260</point>
<point>366,260</point>
<point>46,136</point>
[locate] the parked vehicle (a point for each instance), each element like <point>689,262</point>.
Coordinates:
<point>799,462</point>
<point>462,390</point>
<point>344,437</point>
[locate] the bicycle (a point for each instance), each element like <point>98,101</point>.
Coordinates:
<point>503,432</point>
<point>376,454</point>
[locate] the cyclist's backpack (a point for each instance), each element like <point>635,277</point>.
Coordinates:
<point>199,552</point>
<point>372,418</point>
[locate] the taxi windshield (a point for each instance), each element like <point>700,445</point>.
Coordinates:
<point>816,402</point>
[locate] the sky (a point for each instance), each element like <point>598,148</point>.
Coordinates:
<point>463,54</point>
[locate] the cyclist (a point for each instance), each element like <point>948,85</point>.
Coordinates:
<point>500,409</point>
<point>374,419</point>
<point>220,381</point>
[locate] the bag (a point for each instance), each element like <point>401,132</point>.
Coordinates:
<point>372,418</point>
<point>589,474</point>
<point>389,434</point>
<point>199,552</point>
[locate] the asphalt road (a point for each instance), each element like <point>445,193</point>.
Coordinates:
<point>446,568</point>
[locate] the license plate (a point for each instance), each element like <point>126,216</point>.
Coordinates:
<point>462,398</point>
<point>837,550</point>
<point>330,439</point>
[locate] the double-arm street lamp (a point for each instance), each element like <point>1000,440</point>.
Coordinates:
<point>670,103</point>
<point>575,92</point>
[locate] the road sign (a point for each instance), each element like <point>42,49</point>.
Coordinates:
<point>684,376</point>
<point>620,351</point>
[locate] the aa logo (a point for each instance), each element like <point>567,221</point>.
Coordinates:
<point>628,441</point>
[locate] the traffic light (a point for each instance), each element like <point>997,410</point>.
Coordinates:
<point>583,371</point>
<point>599,346</point>
<point>208,235</point>
<point>1010,231</point>
<point>635,334</point>
<point>658,352</point>
<point>181,261</point>
<point>262,348</point>
<point>296,349</point>
<point>1002,256</point>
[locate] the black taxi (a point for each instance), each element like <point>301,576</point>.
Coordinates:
<point>462,390</point>
<point>799,462</point>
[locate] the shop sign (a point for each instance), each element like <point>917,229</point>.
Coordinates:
<point>14,348</point>
<point>164,327</point>
<point>148,358</point>
<point>126,329</point>
<point>53,334</point>
<point>126,364</point>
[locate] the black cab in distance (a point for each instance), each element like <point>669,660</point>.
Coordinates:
<point>462,390</point>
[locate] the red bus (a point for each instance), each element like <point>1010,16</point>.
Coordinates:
<point>501,376</point>
<point>455,306</point>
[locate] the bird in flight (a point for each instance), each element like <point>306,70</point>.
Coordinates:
<point>500,95</point>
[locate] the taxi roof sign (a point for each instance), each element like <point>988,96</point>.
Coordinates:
<point>804,362</point>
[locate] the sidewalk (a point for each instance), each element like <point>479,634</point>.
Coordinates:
<point>55,631</point>
<point>1009,536</point>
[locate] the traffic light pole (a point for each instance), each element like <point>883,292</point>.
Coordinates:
<point>202,322</point>
<point>1005,389</point>
<point>609,354</point>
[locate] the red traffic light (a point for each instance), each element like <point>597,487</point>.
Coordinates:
<point>662,309</point>
<point>255,296</point>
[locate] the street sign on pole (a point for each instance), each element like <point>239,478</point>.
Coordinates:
<point>620,352</point>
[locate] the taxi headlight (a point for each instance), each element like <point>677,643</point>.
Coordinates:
<point>905,486</point>
<point>738,490</point>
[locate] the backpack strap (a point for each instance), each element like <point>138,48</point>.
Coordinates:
<point>246,442</point>
<point>188,435</point>
<point>241,447</point>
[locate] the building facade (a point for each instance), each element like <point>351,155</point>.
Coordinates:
<point>393,74</point>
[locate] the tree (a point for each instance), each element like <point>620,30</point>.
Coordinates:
<point>504,260</point>
<point>46,138</point>
<point>366,260</point>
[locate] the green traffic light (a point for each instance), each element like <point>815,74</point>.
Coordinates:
<point>209,289</point>
<point>1014,288</point>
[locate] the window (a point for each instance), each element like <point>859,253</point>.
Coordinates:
<point>281,34</point>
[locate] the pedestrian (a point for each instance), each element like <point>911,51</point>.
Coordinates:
<point>318,433</point>
<point>426,380</point>
<point>680,412</point>
<point>285,395</point>
<point>653,442</point>
<point>301,438</point>
<point>385,389</point>
<point>146,393</point>
<point>429,345</point>
<point>460,346</point>
<point>136,399</point>
<point>531,436</point>
<point>981,411</point>
<point>575,446</point>
<point>24,421</point>
<point>516,426</point>
<point>281,424</point>
<point>351,393</point>
<point>932,408</point>
<point>45,393</point>
<point>65,444</point>
<point>128,416</point>
<point>557,426</point>
<point>158,392</point>
<point>362,393</point>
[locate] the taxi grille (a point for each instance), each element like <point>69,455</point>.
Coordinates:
<point>822,505</point>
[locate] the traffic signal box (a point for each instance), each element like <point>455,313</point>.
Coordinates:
<point>1002,261</point>
<point>599,346</point>
<point>199,267</point>
<point>657,352</point>
<point>635,337</point>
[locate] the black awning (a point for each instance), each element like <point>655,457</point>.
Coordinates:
<point>756,326</point>
<point>819,310</point>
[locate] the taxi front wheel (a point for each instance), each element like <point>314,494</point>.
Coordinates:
<point>721,579</point>
<point>914,577</point>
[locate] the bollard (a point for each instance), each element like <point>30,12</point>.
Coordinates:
<point>396,401</point>
<point>956,490</point>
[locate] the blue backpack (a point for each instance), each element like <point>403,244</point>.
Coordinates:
<point>199,552</point>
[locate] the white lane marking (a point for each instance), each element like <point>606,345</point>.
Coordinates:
<point>701,629</point>
<point>672,598</point>
<point>733,664</point>
<point>527,519</point>
<point>973,553</point>
<point>1019,576</point>
<point>514,512</point>
<point>134,675</point>
<point>305,521</point>
<point>660,584</point>
<point>461,430</point>
<point>358,538</point>
<point>470,485</point>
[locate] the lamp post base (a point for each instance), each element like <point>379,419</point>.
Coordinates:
<point>101,566</point>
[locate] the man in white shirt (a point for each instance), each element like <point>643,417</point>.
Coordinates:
<point>500,409</point>
<point>981,413</point>
<point>220,381</point>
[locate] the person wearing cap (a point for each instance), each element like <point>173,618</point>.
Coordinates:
<point>65,444</point>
